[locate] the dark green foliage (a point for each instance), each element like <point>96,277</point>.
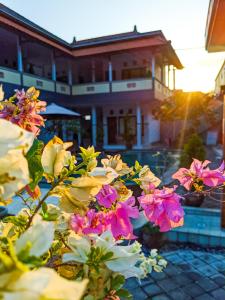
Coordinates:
<point>194,148</point>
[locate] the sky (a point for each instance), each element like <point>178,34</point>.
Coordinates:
<point>182,21</point>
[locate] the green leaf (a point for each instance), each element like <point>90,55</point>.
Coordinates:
<point>34,163</point>
<point>44,207</point>
<point>118,282</point>
<point>124,294</point>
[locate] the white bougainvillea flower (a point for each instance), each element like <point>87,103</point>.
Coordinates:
<point>81,247</point>
<point>147,177</point>
<point>39,236</point>
<point>40,284</point>
<point>1,93</point>
<point>124,259</point>
<point>55,157</point>
<point>14,137</point>
<point>115,162</point>
<point>14,174</point>
<point>104,175</point>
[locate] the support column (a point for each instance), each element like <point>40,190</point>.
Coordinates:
<point>153,67</point>
<point>174,78</point>
<point>19,56</point>
<point>105,130</point>
<point>53,66</point>
<point>110,75</point>
<point>139,125</point>
<point>168,76</point>
<point>70,76</point>
<point>93,71</point>
<point>94,126</point>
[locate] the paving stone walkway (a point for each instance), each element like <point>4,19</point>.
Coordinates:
<point>189,275</point>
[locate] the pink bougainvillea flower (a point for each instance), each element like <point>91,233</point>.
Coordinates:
<point>200,172</point>
<point>107,196</point>
<point>23,109</point>
<point>163,208</point>
<point>92,222</point>
<point>118,220</point>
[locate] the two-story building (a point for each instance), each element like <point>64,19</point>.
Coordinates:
<point>114,82</point>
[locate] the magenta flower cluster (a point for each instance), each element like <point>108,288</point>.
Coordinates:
<point>161,206</point>
<point>23,109</point>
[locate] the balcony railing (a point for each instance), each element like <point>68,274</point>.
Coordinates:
<point>38,82</point>
<point>10,76</point>
<point>161,91</point>
<point>90,88</point>
<point>14,77</point>
<point>131,85</point>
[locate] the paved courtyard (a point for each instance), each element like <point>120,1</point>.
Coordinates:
<point>189,275</point>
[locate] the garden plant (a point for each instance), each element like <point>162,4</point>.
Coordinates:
<point>84,247</point>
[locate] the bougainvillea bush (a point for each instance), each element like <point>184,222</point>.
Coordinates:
<point>84,247</point>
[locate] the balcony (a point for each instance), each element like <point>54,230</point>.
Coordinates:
<point>38,82</point>
<point>90,88</point>
<point>14,77</point>
<point>131,85</point>
<point>9,76</point>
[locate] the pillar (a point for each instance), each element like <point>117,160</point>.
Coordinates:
<point>139,125</point>
<point>110,71</point>
<point>105,130</point>
<point>94,126</point>
<point>153,67</point>
<point>168,76</point>
<point>53,66</point>
<point>93,79</point>
<point>174,78</point>
<point>70,76</point>
<point>19,55</point>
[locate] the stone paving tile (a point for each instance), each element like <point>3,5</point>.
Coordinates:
<point>139,294</point>
<point>193,289</point>
<point>194,275</point>
<point>219,294</point>
<point>182,279</point>
<point>172,270</point>
<point>160,297</point>
<point>219,279</point>
<point>189,275</point>
<point>158,276</point>
<point>168,284</point>
<point>207,284</point>
<point>152,289</point>
<point>179,294</point>
<point>205,297</point>
<point>207,270</point>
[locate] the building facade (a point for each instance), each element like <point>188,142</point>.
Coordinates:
<point>114,82</point>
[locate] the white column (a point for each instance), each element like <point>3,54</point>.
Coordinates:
<point>153,67</point>
<point>168,76</point>
<point>110,71</point>
<point>53,66</point>
<point>94,125</point>
<point>93,71</point>
<point>174,78</point>
<point>19,55</point>
<point>139,124</point>
<point>105,130</point>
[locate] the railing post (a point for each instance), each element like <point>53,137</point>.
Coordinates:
<point>174,78</point>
